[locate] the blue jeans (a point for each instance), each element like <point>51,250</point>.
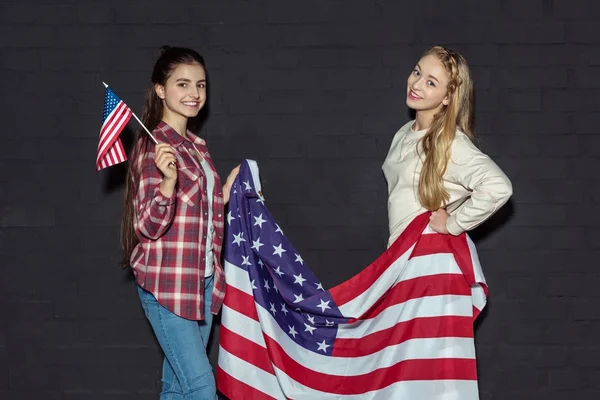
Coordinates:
<point>187,373</point>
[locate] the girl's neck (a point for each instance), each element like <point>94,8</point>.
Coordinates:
<point>178,124</point>
<point>423,120</point>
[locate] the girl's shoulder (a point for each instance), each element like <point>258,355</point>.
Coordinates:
<point>464,148</point>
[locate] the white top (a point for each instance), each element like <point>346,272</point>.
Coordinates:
<point>476,185</point>
<point>210,229</point>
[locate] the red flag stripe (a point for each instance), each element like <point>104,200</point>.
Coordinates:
<point>234,389</point>
<point>418,328</point>
<point>111,125</point>
<point>358,284</point>
<point>253,353</point>
<point>422,369</point>
<point>112,128</point>
<point>429,285</point>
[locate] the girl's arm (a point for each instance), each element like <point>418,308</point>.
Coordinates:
<point>155,199</point>
<point>490,187</point>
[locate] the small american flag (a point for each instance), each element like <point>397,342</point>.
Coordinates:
<point>401,329</point>
<point>116,115</point>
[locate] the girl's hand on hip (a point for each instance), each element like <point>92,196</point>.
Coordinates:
<point>438,219</point>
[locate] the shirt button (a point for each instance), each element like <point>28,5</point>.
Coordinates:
<point>219,215</point>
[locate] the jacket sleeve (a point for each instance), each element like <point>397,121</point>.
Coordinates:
<point>490,188</point>
<point>154,212</point>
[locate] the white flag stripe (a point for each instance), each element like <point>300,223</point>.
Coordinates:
<point>414,349</point>
<point>429,265</point>
<point>418,390</point>
<point>115,132</point>
<point>114,127</point>
<point>114,155</point>
<point>429,348</point>
<point>429,306</point>
<point>360,304</point>
<point>249,374</point>
<point>243,326</point>
<point>107,131</point>
<point>238,278</point>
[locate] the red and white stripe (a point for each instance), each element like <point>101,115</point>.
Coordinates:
<point>410,336</point>
<point>110,148</point>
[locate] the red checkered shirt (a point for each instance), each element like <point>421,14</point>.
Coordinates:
<point>169,260</point>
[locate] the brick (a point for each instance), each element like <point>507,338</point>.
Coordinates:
<point>27,216</point>
<point>362,57</point>
<point>97,13</point>
<point>241,12</point>
<point>357,79</point>
<point>17,13</point>
<point>56,14</point>
<point>583,32</point>
<point>20,60</point>
<point>586,357</point>
<point>585,10</point>
<point>316,11</point>
<point>542,32</point>
<point>523,100</point>
<point>583,167</point>
<point>29,36</point>
<point>283,79</point>
<point>566,379</point>
<point>285,125</point>
<point>509,145</point>
<point>26,394</point>
<point>472,33</point>
<point>542,55</point>
<point>545,191</point>
<point>128,14</point>
<point>346,35</point>
<point>164,14</point>
<point>587,78</point>
<point>529,356</point>
<point>563,286</point>
<point>585,123</point>
<point>473,10</point>
<point>571,100</point>
<point>530,78</point>
<point>531,10</point>
<point>244,37</point>
<point>546,215</point>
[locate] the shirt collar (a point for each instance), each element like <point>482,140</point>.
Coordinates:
<point>171,137</point>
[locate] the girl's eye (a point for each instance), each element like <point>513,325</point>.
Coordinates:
<point>416,72</point>
<point>182,84</point>
<point>430,83</point>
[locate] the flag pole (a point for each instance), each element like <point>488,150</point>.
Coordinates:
<point>138,120</point>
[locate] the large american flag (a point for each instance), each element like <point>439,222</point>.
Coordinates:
<point>401,329</point>
<point>114,118</point>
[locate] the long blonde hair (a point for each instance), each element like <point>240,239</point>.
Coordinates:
<point>437,142</point>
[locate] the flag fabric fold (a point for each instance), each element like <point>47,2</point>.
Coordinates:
<point>400,329</point>
<point>115,117</point>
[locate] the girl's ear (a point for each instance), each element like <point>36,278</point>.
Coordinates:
<point>160,91</point>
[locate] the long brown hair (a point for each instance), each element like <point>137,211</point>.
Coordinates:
<point>168,60</point>
<point>437,142</point>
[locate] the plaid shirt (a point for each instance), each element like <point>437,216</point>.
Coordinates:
<point>169,260</point>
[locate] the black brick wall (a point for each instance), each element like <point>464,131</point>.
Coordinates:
<point>314,91</point>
